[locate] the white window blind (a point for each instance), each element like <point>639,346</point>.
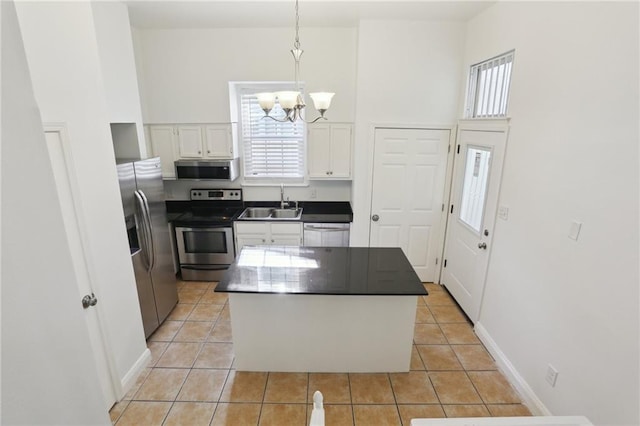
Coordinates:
<point>489,83</point>
<point>272,150</point>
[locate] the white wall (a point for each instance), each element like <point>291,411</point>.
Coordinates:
<point>115,48</point>
<point>64,64</point>
<point>408,73</point>
<point>186,72</point>
<point>48,372</point>
<point>572,155</point>
<point>184,77</point>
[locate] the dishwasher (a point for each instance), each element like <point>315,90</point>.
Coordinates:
<point>326,234</point>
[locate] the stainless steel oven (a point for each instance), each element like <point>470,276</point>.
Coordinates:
<point>204,234</point>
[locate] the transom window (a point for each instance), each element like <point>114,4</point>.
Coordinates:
<point>272,151</point>
<point>489,83</point>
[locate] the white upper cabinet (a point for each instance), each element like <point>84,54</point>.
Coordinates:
<point>220,141</point>
<point>173,142</point>
<point>329,149</point>
<point>163,146</point>
<point>190,141</point>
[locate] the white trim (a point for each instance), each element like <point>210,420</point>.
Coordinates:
<point>61,129</point>
<point>484,124</point>
<point>531,400</point>
<point>138,367</point>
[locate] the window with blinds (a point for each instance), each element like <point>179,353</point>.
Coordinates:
<point>489,87</point>
<point>272,151</point>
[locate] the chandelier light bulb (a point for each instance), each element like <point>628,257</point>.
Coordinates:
<point>321,100</point>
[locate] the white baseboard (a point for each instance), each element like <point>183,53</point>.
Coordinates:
<point>129,379</point>
<point>531,400</point>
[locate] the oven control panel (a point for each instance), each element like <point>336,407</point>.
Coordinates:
<point>216,194</point>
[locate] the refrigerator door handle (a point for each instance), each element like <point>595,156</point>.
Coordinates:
<point>144,240</point>
<point>149,228</point>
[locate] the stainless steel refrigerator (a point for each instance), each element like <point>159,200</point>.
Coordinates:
<point>146,218</point>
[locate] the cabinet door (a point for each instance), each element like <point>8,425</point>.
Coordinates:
<point>286,234</point>
<point>318,151</point>
<point>190,141</point>
<point>219,141</point>
<point>249,240</point>
<point>340,151</point>
<point>163,146</point>
<point>251,234</point>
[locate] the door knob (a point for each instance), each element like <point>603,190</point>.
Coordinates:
<point>375,218</point>
<point>89,300</point>
<point>482,246</point>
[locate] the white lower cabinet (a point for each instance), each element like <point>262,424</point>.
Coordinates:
<point>267,233</point>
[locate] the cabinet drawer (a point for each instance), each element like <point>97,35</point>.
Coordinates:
<point>252,227</point>
<point>286,228</point>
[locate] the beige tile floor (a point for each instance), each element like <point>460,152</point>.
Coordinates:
<point>191,379</point>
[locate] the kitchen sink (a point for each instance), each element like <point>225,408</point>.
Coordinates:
<point>256,213</point>
<point>268,213</point>
<point>286,213</point>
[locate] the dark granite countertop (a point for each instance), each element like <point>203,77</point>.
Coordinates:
<point>316,211</point>
<point>312,211</point>
<point>322,270</point>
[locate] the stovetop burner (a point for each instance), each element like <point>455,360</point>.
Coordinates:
<point>211,214</point>
<point>209,207</point>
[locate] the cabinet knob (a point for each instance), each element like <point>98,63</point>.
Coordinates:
<point>199,152</point>
<point>327,172</point>
<point>264,241</point>
<point>208,152</point>
<point>273,241</point>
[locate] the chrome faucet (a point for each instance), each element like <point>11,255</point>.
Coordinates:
<point>283,203</point>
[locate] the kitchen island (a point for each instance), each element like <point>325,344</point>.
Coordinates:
<point>329,309</point>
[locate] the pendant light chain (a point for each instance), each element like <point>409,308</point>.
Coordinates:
<point>292,102</point>
<point>297,52</point>
<point>296,44</point>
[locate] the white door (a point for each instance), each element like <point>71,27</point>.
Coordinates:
<point>477,176</point>
<point>163,146</point>
<point>59,154</point>
<point>219,141</point>
<point>190,141</point>
<point>409,173</point>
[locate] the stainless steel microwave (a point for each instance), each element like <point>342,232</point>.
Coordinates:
<point>207,169</point>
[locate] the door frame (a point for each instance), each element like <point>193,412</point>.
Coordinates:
<point>480,125</point>
<point>447,180</point>
<point>111,372</point>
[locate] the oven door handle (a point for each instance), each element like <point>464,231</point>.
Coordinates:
<point>205,267</point>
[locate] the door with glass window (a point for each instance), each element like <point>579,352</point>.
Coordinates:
<point>472,211</point>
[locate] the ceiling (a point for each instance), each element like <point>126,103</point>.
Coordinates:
<point>280,13</point>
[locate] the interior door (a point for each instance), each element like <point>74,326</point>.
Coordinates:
<point>63,175</point>
<point>477,176</point>
<point>408,188</point>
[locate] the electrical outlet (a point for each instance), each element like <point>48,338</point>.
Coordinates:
<point>552,375</point>
<point>314,193</point>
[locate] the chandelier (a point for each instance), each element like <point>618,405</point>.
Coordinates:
<point>292,102</point>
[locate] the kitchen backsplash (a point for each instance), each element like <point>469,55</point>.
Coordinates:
<point>316,191</point>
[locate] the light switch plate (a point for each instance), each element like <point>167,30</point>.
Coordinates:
<point>574,230</point>
<point>503,212</point>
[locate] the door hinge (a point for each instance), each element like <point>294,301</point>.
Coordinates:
<point>442,207</point>
<point>445,263</point>
<point>449,149</point>
<point>436,260</point>
<point>458,149</point>
<point>451,208</point>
